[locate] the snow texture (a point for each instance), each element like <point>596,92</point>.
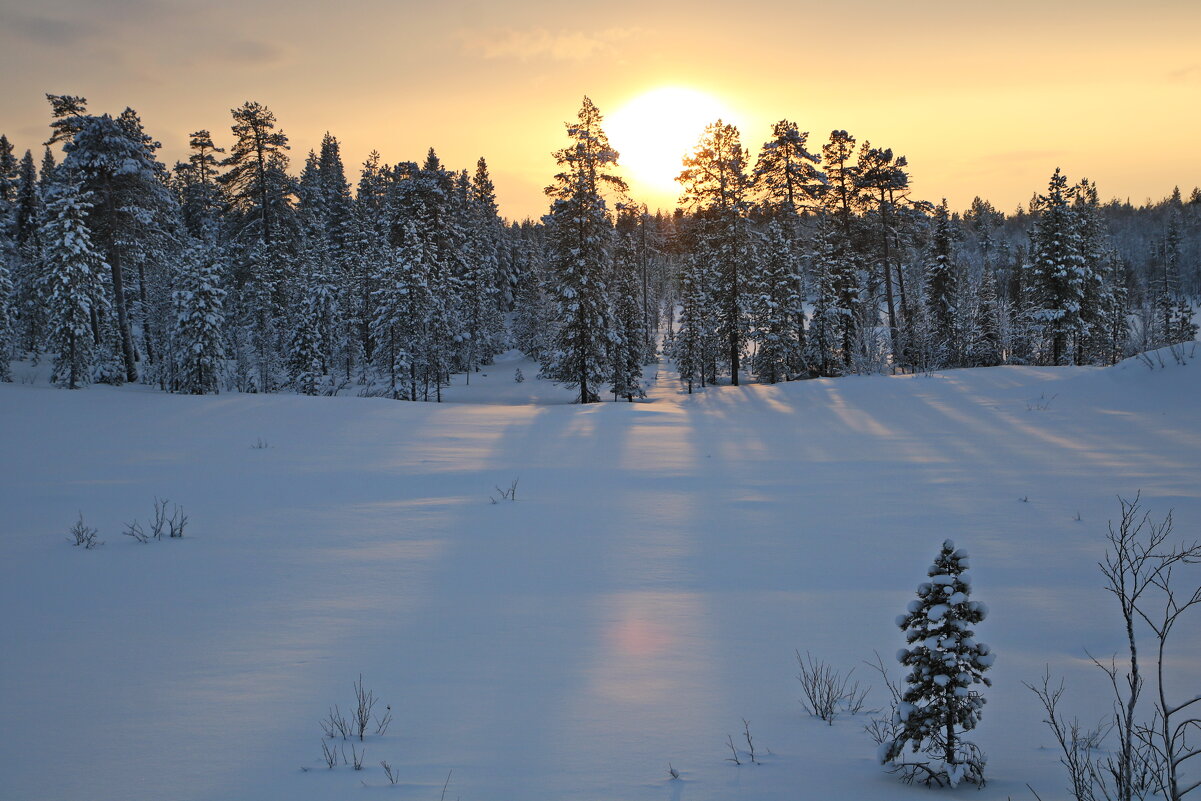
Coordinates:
<point>644,593</point>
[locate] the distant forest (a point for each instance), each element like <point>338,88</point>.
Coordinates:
<point>230,272</point>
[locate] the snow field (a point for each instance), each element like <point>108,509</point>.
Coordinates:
<point>644,593</point>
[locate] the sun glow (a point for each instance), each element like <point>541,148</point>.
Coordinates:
<point>654,131</point>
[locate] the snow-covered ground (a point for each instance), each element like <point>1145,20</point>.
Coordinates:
<point>644,593</point>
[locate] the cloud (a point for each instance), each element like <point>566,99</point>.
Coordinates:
<point>48,31</point>
<point>1186,74</point>
<point>539,43</point>
<point>254,52</point>
<point>1026,156</point>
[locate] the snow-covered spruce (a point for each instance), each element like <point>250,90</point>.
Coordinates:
<point>944,662</point>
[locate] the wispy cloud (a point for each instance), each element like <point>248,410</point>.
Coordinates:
<point>254,52</point>
<point>1027,156</point>
<point>1186,74</point>
<point>47,30</point>
<point>540,43</point>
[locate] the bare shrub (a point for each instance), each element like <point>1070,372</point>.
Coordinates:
<point>827,691</point>
<point>1077,745</point>
<point>365,701</point>
<point>1041,403</point>
<point>392,773</point>
<point>884,729</point>
<point>506,495</point>
<point>81,534</point>
<point>382,724</point>
<point>177,522</point>
<point>750,742</point>
<point>158,523</point>
<point>335,724</point>
<point>1142,568</point>
<point>134,530</point>
<point>330,753</point>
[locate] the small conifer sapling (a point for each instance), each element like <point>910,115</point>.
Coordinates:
<point>945,664</point>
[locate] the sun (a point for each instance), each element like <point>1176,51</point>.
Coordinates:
<point>655,130</point>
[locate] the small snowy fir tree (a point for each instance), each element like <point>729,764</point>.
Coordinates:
<point>944,663</point>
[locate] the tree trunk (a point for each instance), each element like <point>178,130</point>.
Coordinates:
<point>892,315</point>
<point>114,261</point>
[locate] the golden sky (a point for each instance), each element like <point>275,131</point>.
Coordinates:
<point>983,98</point>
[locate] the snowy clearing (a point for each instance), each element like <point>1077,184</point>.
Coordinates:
<point>643,594</point>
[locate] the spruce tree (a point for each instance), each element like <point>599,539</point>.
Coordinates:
<point>401,308</point>
<point>29,305</point>
<point>534,307</point>
<point>986,348</point>
<point>829,320</point>
<point>629,336</point>
<point>580,241</point>
<point>7,251</point>
<point>776,304</point>
<point>688,341</point>
<point>75,291</point>
<point>1058,272</point>
<point>197,328</point>
<point>945,664</point>
<point>942,290</point>
<point>312,328</point>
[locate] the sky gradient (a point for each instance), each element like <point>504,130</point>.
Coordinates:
<point>983,99</point>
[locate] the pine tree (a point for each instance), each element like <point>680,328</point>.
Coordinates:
<point>715,184</point>
<point>579,238</point>
<point>75,289</point>
<point>885,179</point>
<point>786,177</point>
<point>945,663</point>
<point>196,333</point>
<point>198,188</point>
<point>841,201</point>
<point>255,181</point>
<point>68,114</point>
<point>114,160</point>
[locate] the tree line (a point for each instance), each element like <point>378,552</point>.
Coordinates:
<point>225,271</point>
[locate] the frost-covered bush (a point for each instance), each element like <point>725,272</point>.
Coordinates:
<point>945,664</point>
<point>81,534</point>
